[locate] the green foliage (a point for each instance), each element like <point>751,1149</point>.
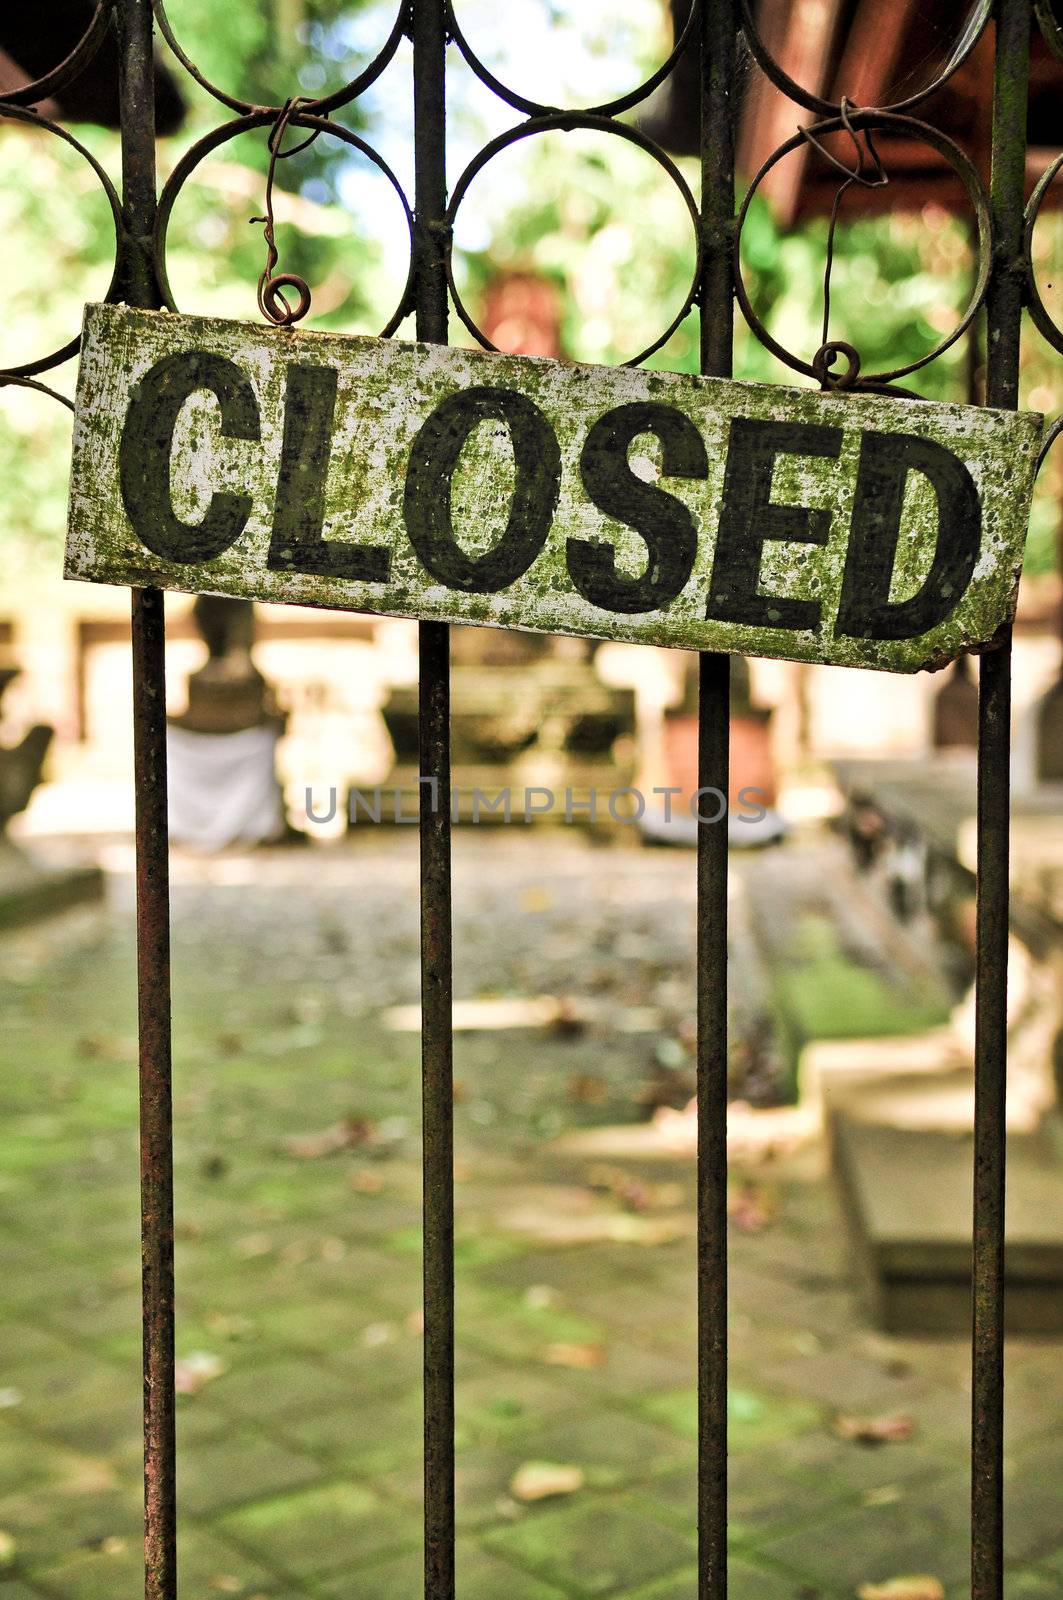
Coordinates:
<point>605,226</point>
<point>56,221</point>
<point>589,212</point>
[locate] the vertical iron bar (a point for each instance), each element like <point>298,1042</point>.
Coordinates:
<point>718,35</point>
<point>137,99</point>
<point>429,32</point>
<point>1004,319</point>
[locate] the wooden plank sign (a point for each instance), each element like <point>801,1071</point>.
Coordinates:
<point>421,481</point>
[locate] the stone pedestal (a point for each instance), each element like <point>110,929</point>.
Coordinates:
<point>956,708</point>
<point>1049,725</point>
<point>223,788</point>
<point>28,888</point>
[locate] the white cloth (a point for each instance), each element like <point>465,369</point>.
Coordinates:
<point>223,788</point>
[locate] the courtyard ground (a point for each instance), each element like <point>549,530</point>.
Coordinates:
<point>298,1272</point>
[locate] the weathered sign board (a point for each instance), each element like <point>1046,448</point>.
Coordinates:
<point>420,481</point>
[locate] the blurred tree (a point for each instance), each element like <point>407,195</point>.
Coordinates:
<point>57,226</point>
<point>588,213</point>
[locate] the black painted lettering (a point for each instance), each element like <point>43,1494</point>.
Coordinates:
<point>749,517</point>
<point>427,502</point>
<point>663,522</point>
<point>866,610</point>
<point>297,543</point>
<point>147,444</point>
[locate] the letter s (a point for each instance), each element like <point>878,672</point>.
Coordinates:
<point>663,521</point>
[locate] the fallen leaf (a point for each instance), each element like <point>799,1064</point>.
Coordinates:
<point>633,1192</point>
<point>377,1334</point>
<point>348,1134</point>
<point>586,1089</point>
<point>542,1480</point>
<point>874,1430</point>
<point>751,1207</point>
<point>365,1181</point>
<point>110,1047</point>
<point>7,1548</point>
<point>253,1245</point>
<point>194,1372</point>
<point>536,897</point>
<point>580,1356</point>
<point>540,1297</point>
<point>918,1588</point>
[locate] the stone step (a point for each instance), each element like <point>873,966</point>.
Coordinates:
<point>906,1192</point>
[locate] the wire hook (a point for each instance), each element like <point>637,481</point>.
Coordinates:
<point>272,302</point>
<point>878,178</point>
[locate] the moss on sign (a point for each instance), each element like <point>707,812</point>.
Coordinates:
<point>417,480</point>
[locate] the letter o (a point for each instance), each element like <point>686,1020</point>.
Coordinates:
<point>427,501</point>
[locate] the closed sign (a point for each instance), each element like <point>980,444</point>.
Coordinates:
<point>423,481</point>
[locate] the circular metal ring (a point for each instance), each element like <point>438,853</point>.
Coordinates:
<point>535,108</point>
<point>263,119</point>
<point>830,108</point>
<point>1040,316</point>
<point>968,175</point>
<point>319,107</point>
<point>569,122</point>
<point>59,76</point>
<point>1051,28</point>
<point>71,348</point>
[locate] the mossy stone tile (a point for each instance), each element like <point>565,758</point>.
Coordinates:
<point>367,1440</point>
<point>1029,1584</point>
<point>744,1582</point>
<point>242,1465</point>
<point>24,1460</point>
<point>210,1565</point>
<point>480,1576</point>
<point>54,1520</point>
<point>505,1401</point>
<point>593,1547</point>
<point>275,1388</point>
<point>873,1542</point>
<point>609,1447</point>
<point>25,1344</point>
<point>323,1322</point>
<point>754,1417</point>
<point>206,1566</point>
<point>319,1530</point>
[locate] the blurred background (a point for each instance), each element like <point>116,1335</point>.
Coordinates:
<point>295,912</point>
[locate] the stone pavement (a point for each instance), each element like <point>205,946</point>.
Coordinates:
<point>296,1110</point>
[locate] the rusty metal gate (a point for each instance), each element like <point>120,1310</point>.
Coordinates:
<point>711,40</point>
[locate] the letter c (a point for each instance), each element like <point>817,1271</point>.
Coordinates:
<point>147,443</point>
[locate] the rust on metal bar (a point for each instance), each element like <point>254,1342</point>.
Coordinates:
<point>137,93</point>
<point>718,42</point>
<point>428,23</point>
<point>1004,303</point>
